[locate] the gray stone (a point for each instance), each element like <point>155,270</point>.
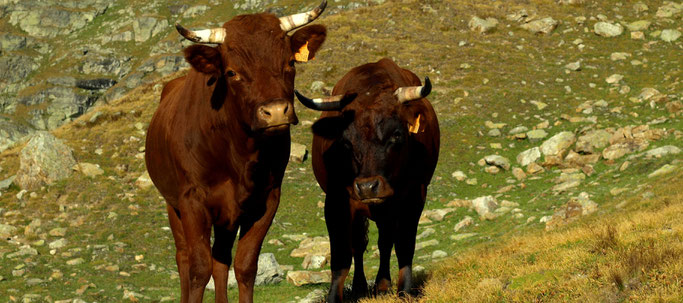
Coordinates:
<point>537,134</point>
<point>460,237</point>
<point>25,250</point>
<point>437,214</point>
<point>498,161</point>
<point>314,262</point>
<point>459,175</point>
<point>148,27</point>
<point>5,184</point>
<point>298,153</point>
<point>299,278</point>
<point>542,26</point>
<point>482,25</point>
<point>97,64</point>
<point>15,68</point>
<point>558,143</point>
<point>467,221</point>
<point>144,181</point>
<point>317,86</point>
<point>639,25</point>
<point>88,169</point>
<point>7,231</point>
<point>518,130</point>
<point>619,150</point>
<point>269,271</point>
<point>592,141</point>
<point>315,296</point>
<point>43,161</point>
<point>57,244</point>
<point>670,35</point>
<point>428,243</point>
<point>607,29</point>
<point>438,254</point>
<point>656,152</point>
<point>614,79</point>
<point>484,205</point>
<point>318,246</point>
<point>563,187</point>
<point>664,170</point>
<point>575,66</point>
<point>669,9</point>
<point>195,11</point>
<point>39,19</point>
<point>529,156</point>
<point>494,133</point>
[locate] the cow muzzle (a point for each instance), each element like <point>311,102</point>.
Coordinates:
<point>274,116</point>
<point>372,190</point>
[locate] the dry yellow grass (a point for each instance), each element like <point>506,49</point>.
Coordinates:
<point>633,254</point>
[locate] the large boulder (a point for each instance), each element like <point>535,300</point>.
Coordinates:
<point>558,143</point>
<point>592,141</point>
<point>44,161</point>
<point>529,156</point>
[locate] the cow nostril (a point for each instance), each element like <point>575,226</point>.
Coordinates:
<point>286,108</point>
<point>374,185</point>
<point>265,112</point>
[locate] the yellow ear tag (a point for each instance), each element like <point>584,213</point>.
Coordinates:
<point>415,127</point>
<point>302,54</point>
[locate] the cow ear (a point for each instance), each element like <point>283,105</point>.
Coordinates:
<point>204,59</point>
<point>333,127</point>
<point>307,41</point>
<point>413,113</point>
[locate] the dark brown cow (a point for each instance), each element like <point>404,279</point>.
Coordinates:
<point>218,144</point>
<point>375,159</point>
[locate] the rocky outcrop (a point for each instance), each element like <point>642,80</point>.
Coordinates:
<point>11,133</point>
<point>45,20</point>
<point>44,161</point>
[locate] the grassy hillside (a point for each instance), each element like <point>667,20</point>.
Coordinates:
<point>118,242</point>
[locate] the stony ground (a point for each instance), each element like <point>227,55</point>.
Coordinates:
<point>548,110</point>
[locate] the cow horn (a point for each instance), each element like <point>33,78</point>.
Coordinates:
<point>326,104</point>
<point>291,22</point>
<point>207,36</point>
<point>405,94</point>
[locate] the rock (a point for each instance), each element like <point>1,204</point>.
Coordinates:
<point>592,141</point>
<point>25,250</point>
<point>536,135</point>
<point>438,254</point>
<point>89,169</point>
<point>318,246</point>
<point>619,56</point>
<point>144,181</point>
<point>314,262</point>
<point>269,271</point>
<point>674,107</point>
<point>563,187</point>
<point>298,153</point>
<point>494,133</point>
<point>428,232</point>
<point>518,130</point>
<point>578,160</point>
<point>5,184</point>
<point>459,175</point>
<point>661,152</point>
<point>639,25</point>
<point>576,207</point>
<point>467,221</point>
<point>613,79</point>
<point>57,232</point>
<point>498,161</point>
<point>568,177</point>
<point>422,245</point>
<point>558,143</point>
<point>459,237</point>
<point>606,29</point>
<point>460,203</point>
<point>518,173</point>
<point>670,35</point>
<point>539,105</point>
<point>619,150</point>
<point>7,231</point>
<point>492,170</point>
<point>664,170</point>
<point>472,181</point>
<point>437,214</point>
<point>299,278</point>
<point>669,9</point>
<point>529,156</point>
<point>195,11</point>
<point>542,26</point>
<point>637,35</point>
<point>57,244</point>
<point>44,161</point>
<point>317,86</point>
<point>316,296</point>
<point>575,66</point>
<point>147,27</point>
<point>11,133</point>
<point>534,168</point>
<point>484,205</point>
<point>482,25</point>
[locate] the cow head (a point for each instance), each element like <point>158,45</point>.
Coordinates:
<point>253,65</point>
<point>373,144</point>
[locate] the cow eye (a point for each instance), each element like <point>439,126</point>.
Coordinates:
<point>231,74</point>
<point>396,138</point>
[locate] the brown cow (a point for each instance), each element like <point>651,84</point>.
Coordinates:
<point>218,144</point>
<point>375,159</point>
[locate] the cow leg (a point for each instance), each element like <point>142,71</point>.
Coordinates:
<point>338,221</point>
<point>385,242</point>
<point>197,231</point>
<point>249,247</point>
<point>181,255</point>
<point>222,256</point>
<point>360,243</point>
<point>405,241</point>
